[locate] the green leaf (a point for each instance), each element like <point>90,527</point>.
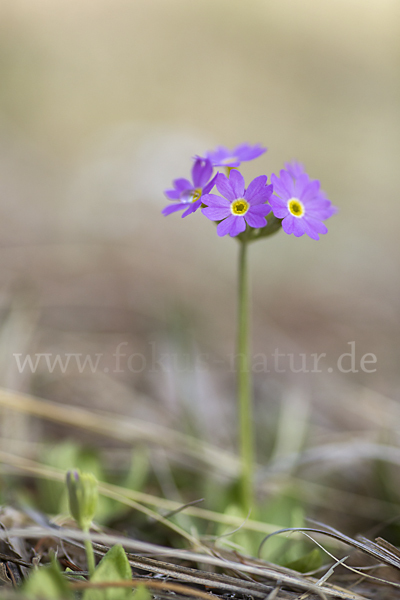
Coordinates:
<point>142,593</point>
<point>308,562</point>
<point>113,567</point>
<point>47,583</point>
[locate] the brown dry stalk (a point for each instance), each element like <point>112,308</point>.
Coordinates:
<point>157,585</point>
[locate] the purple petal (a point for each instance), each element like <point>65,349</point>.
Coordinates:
<point>279,187</point>
<point>320,207</point>
<point>255,187</point>
<point>298,227</point>
<point>288,224</point>
<point>173,208</point>
<point>300,185</point>
<point>279,207</point>
<point>172,194</point>
<point>238,226</point>
<point>183,184</point>
<point>317,210</point>
<point>287,182</point>
<point>316,225</point>
<point>207,188</point>
<point>318,202</point>
<point>214,200</point>
<point>309,189</point>
<point>225,226</point>
<point>330,211</point>
<point>224,187</point>
<point>310,231</point>
<point>219,153</point>
<point>247,152</point>
<point>329,208</point>
<point>201,172</point>
<point>270,189</point>
<point>236,180</point>
<point>263,196</point>
<point>216,213</point>
<point>222,157</point>
<point>255,220</point>
<point>192,208</point>
<point>295,168</point>
<point>260,210</point>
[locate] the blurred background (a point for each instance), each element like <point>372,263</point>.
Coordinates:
<point>102,104</point>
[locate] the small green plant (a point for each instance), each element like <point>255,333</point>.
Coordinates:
<point>82,496</point>
<point>48,582</point>
<point>114,566</point>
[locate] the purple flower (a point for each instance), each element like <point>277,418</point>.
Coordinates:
<point>189,194</point>
<point>301,204</point>
<point>295,169</point>
<point>238,205</point>
<point>222,157</point>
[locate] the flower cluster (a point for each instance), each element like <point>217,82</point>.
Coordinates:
<point>292,199</point>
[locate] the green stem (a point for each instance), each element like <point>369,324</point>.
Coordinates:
<point>244,383</point>
<point>89,556</point>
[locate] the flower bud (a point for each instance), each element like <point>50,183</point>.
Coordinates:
<point>82,497</point>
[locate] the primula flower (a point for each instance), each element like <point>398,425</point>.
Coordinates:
<point>222,157</point>
<point>301,204</point>
<point>238,205</point>
<point>295,169</point>
<point>189,193</point>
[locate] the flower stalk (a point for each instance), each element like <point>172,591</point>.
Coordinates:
<point>244,386</point>
<point>89,556</point>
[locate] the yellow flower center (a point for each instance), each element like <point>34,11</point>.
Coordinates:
<point>196,194</point>
<point>296,207</point>
<point>239,207</point>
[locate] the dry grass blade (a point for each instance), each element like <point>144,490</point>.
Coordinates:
<point>379,551</point>
<point>384,544</point>
<point>152,585</point>
<point>382,550</point>
<point>122,429</point>
<point>287,577</point>
<point>361,573</point>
